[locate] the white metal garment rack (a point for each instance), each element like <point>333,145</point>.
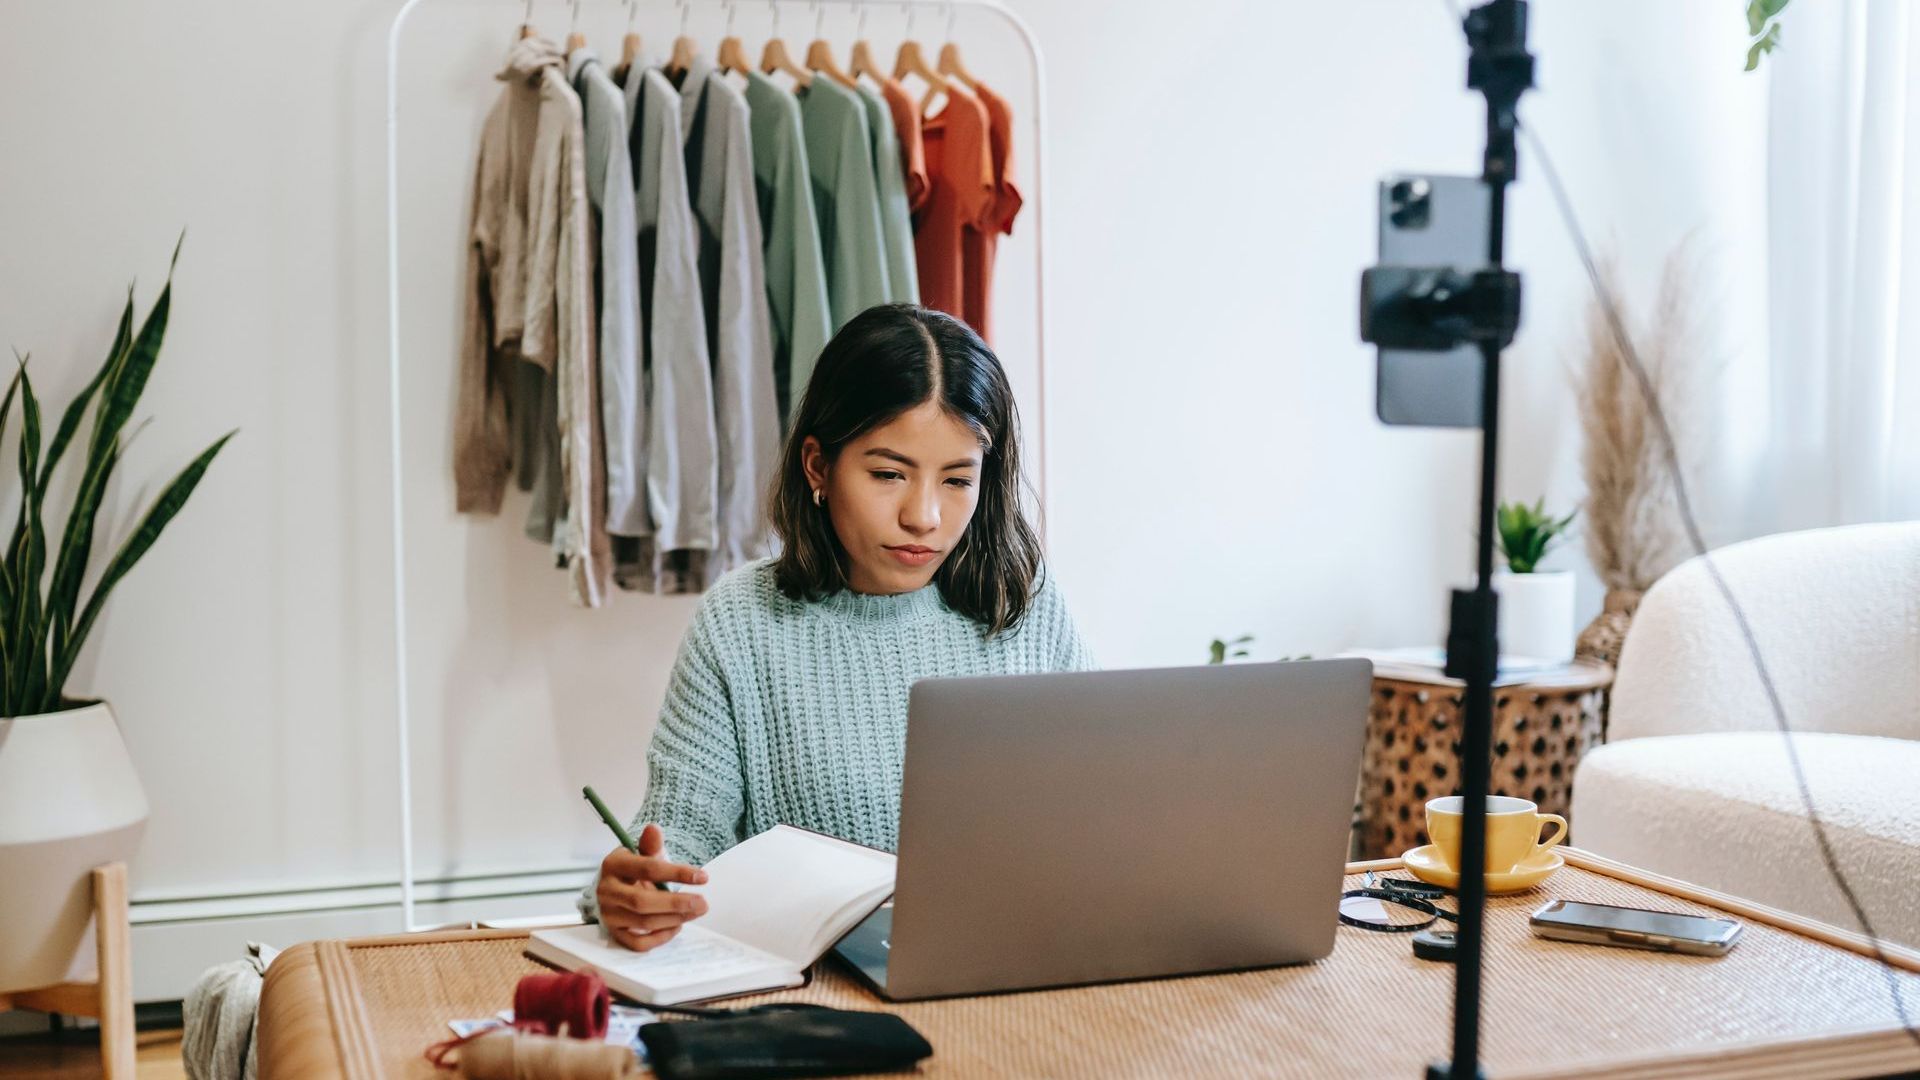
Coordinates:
<point>1036,209</point>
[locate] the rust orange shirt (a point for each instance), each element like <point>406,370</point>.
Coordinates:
<point>906,125</point>
<point>980,243</point>
<point>960,195</point>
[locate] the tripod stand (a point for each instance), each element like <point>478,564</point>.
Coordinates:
<point>1436,309</point>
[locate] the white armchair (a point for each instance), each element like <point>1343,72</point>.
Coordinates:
<point>1695,781</point>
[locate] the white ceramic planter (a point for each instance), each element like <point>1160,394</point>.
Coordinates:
<point>1536,614</point>
<point>69,801</point>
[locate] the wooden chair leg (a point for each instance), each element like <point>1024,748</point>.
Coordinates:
<point>112,936</point>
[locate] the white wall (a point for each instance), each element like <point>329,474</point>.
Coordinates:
<point>1215,466</point>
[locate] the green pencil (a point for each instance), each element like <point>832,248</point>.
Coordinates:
<point>619,831</point>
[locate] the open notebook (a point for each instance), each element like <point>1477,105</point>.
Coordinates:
<point>775,903</point>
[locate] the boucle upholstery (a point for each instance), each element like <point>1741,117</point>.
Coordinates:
<point>1695,782</point>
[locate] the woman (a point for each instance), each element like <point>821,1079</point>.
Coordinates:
<point>904,555</point>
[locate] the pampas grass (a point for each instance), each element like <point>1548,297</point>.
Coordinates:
<point>1633,528</point>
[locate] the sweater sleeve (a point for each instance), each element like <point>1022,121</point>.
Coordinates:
<point>1074,652</point>
<point>695,790</point>
<point>1069,648</point>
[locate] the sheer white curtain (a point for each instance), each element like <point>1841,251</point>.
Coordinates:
<point>1841,438</point>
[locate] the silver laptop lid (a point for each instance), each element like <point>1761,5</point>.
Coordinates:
<point>1097,826</point>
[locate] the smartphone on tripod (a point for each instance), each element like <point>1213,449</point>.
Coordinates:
<point>1429,220</point>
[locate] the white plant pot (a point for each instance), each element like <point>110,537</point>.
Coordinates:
<point>69,801</point>
<point>1536,614</point>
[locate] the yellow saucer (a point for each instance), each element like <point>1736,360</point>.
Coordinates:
<point>1426,864</point>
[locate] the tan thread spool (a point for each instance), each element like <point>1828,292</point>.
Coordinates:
<point>507,1055</point>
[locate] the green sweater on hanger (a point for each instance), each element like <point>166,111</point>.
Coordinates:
<point>796,274</point>
<point>846,196</point>
<point>896,220</point>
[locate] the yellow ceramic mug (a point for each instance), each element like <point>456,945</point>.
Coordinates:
<point>1513,830</point>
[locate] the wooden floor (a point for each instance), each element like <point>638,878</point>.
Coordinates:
<point>76,1054</point>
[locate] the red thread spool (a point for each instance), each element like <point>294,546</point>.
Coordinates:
<point>572,1003</point>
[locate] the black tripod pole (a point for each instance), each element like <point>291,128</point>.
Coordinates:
<point>1474,614</point>
<point>1500,67</point>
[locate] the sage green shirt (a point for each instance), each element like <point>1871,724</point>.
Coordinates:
<point>840,158</point>
<point>890,180</point>
<point>796,275</point>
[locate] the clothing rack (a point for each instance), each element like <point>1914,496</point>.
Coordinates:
<point>1036,206</point>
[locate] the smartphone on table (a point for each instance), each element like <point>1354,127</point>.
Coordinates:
<point>1635,928</point>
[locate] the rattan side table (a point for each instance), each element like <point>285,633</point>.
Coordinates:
<point>1541,729</point>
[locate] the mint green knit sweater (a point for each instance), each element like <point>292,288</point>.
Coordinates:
<point>788,711</point>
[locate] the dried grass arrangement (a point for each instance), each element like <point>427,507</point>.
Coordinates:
<point>1633,532</point>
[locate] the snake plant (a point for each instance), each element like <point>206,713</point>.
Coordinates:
<point>44,621</point>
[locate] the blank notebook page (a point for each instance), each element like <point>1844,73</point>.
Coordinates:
<point>695,957</point>
<point>792,892</point>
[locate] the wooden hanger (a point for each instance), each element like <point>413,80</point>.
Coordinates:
<point>951,65</point>
<point>526,23</point>
<point>685,49</point>
<point>775,57</point>
<point>820,54</point>
<point>630,44</point>
<point>575,39</point>
<point>950,62</point>
<point>732,55</point>
<point>911,61</point>
<point>685,52</point>
<point>862,61</point>
<point>820,58</point>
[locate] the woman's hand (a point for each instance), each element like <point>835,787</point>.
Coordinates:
<point>636,912</point>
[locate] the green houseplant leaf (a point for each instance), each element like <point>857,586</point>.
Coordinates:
<point>158,515</point>
<point>1762,45</point>
<point>1761,12</point>
<point>42,623</point>
<point>1218,650</point>
<point>77,409</point>
<point>27,559</point>
<point>1763,28</point>
<point>1528,533</point>
<point>121,381</point>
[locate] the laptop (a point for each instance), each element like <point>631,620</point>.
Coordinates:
<point>1088,827</point>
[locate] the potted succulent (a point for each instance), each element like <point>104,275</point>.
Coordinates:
<point>69,797</point>
<point>1536,606</point>
<point>1219,649</point>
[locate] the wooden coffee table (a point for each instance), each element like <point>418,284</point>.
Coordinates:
<point>1793,999</point>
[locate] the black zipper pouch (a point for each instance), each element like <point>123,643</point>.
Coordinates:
<point>781,1040</point>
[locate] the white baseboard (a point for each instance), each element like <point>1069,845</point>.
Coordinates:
<point>178,937</point>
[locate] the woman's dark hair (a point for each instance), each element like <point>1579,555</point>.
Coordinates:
<point>886,361</point>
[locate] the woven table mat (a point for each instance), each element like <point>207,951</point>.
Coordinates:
<point>1371,1009</point>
